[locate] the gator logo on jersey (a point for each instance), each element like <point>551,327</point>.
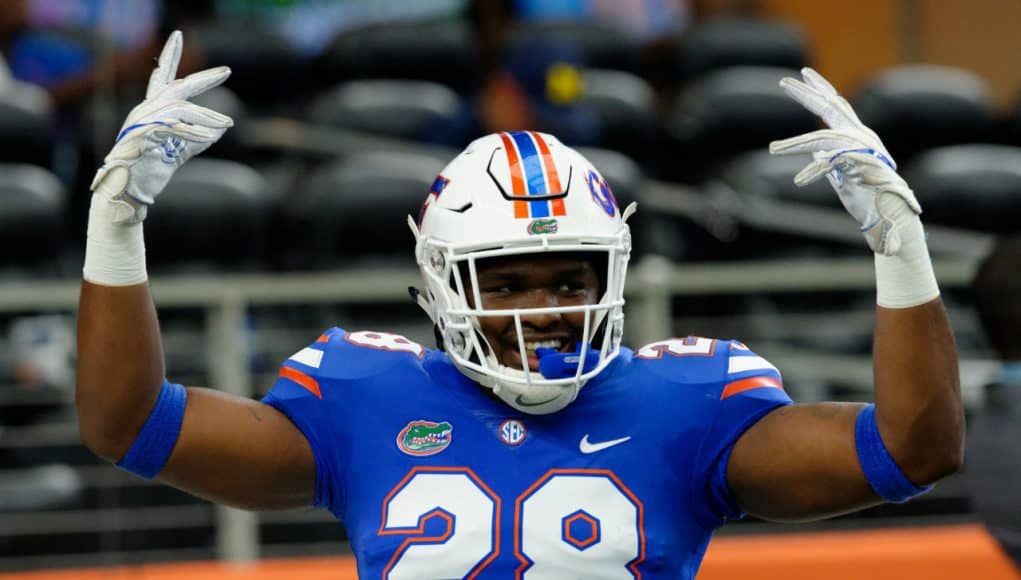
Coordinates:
<point>422,437</point>
<point>543,226</point>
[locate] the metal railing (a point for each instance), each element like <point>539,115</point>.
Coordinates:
<point>226,299</point>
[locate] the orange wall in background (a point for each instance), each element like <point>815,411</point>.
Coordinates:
<point>851,41</point>
<point>937,553</point>
<point>979,35</point>
<point>847,42</point>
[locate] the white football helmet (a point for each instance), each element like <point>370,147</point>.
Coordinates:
<point>509,194</point>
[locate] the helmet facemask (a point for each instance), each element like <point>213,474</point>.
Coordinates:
<point>452,287</point>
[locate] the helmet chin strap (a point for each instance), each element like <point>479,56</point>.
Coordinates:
<point>539,399</point>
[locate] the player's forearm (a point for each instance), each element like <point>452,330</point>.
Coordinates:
<point>120,365</point>
<point>918,396</point>
<point>120,369</point>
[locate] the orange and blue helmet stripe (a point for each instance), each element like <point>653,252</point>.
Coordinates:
<point>532,172</point>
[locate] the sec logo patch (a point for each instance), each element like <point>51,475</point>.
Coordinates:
<point>513,432</point>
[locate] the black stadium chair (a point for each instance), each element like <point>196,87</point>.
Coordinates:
<point>727,42</point>
<point>975,187</point>
<point>354,209</point>
<point>403,109</point>
<point>1011,125</point>
<point>601,45</point>
<point>757,173</point>
<point>626,107</point>
<point>224,100</point>
<point>725,113</point>
<point>440,52</point>
<point>919,107</point>
<point>32,208</point>
<point>214,214</point>
<point>757,176</point>
<point>266,70</point>
<point>26,126</point>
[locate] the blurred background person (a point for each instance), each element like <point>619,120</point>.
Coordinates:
<point>57,44</point>
<point>537,85</point>
<point>993,458</point>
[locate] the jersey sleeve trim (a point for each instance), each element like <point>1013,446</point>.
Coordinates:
<point>321,497</point>
<point>302,379</point>
<point>743,385</point>
<point>719,505</point>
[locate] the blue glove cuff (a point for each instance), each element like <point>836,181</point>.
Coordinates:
<point>868,151</point>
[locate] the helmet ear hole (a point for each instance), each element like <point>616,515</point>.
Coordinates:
<point>438,335</point>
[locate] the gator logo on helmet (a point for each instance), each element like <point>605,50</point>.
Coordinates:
<point>422,437</point>
<point>542,226</point>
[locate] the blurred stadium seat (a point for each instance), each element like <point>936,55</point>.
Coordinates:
<point>727,112</point>
<point>626,107</point>
<point>975,187</point>
<point>26,126</point>
<point>727,42</point>
<point>224,100</point>
<point>1011,126</point>
<point>265,69</point>
<point>350,210</point>
<point>758,177</point>
<point>918,107</point>
<point>758,173</point>
<point>214,215</point>
<point>441,52</point>
<point>32,208</point>
<point>404,109</point>
<point>602,46</point>
<point>45,487</point>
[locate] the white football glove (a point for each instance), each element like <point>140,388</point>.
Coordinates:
<point>853,159</point>
<point>159,135</point>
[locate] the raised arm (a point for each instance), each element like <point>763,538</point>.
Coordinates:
<point>228,449</point>
<point>811,461</point>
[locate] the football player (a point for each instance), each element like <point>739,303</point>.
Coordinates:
<point>531,443</point>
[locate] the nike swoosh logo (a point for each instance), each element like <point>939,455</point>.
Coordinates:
<point>587,447</point>
<point>524,403</point>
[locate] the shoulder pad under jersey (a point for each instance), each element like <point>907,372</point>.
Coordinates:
<point>341,354</point>
<point>726,366</point>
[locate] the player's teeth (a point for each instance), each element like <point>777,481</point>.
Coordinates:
<point>531,346</point>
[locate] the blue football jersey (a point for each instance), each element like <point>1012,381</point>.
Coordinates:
<point>434,477</point>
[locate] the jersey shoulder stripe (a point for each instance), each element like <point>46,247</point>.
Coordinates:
<point>350,355</point>
<point>722,368</point>
<point>747,370</point>
<point>302,367</point>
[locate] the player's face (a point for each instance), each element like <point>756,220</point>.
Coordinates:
<point>535,282</point>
